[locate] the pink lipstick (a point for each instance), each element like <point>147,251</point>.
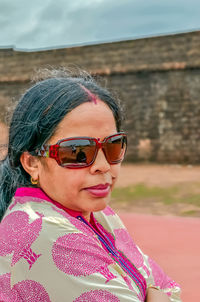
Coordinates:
<point>99,190</point>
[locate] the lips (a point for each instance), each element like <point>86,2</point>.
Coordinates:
<point>101,190</point>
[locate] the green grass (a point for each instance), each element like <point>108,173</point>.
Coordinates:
<point>189,213</point>
<point>170,195</point>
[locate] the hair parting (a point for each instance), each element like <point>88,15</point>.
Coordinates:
<point>91,96</point>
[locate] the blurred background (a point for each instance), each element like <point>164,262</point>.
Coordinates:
<point>148,54</point>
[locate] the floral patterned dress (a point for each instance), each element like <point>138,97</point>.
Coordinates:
<point>50,253</point>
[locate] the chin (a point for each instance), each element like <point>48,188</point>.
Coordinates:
<point>100,206</point>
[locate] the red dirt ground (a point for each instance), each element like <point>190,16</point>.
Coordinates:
<point>174,242</point>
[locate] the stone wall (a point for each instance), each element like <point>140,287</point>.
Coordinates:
<point>158,80</point>
<point>163,110</point>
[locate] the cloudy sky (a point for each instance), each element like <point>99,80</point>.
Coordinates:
<point>36,24</point>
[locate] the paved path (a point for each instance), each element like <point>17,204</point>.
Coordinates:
<point>174,242</point>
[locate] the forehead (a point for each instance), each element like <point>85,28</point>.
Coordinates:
<point>88,119</point>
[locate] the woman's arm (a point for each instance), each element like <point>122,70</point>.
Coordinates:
<point>166,285</point>
<point>154,295</point>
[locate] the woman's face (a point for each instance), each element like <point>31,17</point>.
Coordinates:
<point>69,187</point>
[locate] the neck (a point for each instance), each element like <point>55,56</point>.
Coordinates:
<point>86,215</point>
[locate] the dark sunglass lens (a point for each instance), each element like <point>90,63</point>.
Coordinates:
<point>78,152</point>
<point>115,148</point>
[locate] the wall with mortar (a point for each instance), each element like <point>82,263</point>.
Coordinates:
<point>158,80</point>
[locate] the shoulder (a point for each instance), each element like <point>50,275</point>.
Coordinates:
<point>26,211</point>
<point>109,219</point>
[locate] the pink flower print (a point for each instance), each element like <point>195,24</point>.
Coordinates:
<point>157,273</point>
<point>17,236</point>
<point>160,278</point>
<point>108,211</point>
<point>26,290</point>
<point>6,294</point>
<point>29,255</point>
<point>23,200</point>
<point>97,295</point>
<point>125,244</point>
<point>77,255</point>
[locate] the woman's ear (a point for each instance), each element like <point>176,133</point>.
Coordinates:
<point>30,164</point>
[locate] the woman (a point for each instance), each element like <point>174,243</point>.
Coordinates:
<point>59,240</point>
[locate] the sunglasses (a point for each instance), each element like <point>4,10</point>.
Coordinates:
<point>80,152</point>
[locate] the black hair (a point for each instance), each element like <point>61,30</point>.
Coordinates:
<point>36,117</point>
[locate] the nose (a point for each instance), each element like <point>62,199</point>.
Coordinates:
<point>100,164</point>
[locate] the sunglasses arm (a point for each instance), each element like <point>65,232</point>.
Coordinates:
<point>48,151</point>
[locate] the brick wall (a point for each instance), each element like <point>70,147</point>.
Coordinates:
<point>157,78</point>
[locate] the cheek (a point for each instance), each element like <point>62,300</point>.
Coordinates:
<point>60,180</point>
<point>60,184</point>
<point>115,170</point>
<point>49,175</point>
<point>73,179</point>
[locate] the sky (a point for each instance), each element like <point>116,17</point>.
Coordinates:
<point>45,24</point>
